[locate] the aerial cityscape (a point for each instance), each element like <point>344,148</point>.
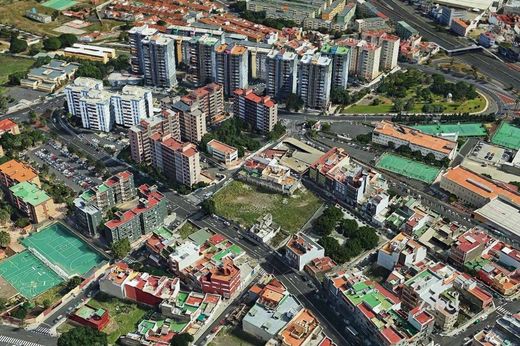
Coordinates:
<point>259,172</point>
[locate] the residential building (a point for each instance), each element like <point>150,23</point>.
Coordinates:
<point>426,287</point>
<point>89,316</point>
<point>32,202</point>
<point>389,48</point>
<point>88,216</point>
<point>301,249</point>
<point>263,230</point>
<point>7,125</point>
<point>273,310</point>
<point>315,80</point>
<point>231,67</point>
<point>281,68</point>
<point>446,311</point>
<point>372,23</point>
<point>184,256</point>
<point>487,39</point>
<point>192,121</point>
<point>222,152</point>
<point>223,280</point>
<point>509,257</point>
<point>49,77</point>
<point>14,172</point>
<point>404,30</point>
<point>303,328</point>
<point>474,189</point>
<point>135,37</point>
<point>340,56</point>
<point>39,17</point>
<point>487,338</point>
<point>159,61</point>
<point>469,246</point>
<point>333,9</point>
<point>401,250</point>
<point>320,266</point>
<point>284,9</point>
<point>346,16</point>
<point>89,52</point>
<point>122,282</point>
<point>335,172</point>
<point>260,112</point>
<point>96,110</point>
<point>199,53</point>
<point>133,104</point>
<point>210,100</point>
<point>143,219</point>
<point>165,123</point>
<point>78,89</point>
<point>179,162</point>
<point>387,133</point>
<point>268,173</point>
<point>365,59</point>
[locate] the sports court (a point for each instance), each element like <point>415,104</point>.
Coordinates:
<point>408,168</point>
<point>507,136</point>
<point>59,4</point>
<point>61,247</point>
<point>464,130</point>
<point>28,275</point>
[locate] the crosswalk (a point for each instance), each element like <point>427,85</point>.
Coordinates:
<point>42,330</point>
<point>503,311</point>
<point>13,341</point>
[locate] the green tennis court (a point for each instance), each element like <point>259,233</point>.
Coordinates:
<point>29,275</point>
<point>464,130</point>
<point>408,168</point>
<point>507,136</point>
<point>59,4</point>
<point>61,247</point>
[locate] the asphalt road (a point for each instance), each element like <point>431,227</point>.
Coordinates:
<point>10,336</point>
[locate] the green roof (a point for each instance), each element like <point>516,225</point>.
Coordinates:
<point>103,188</point>
<point>164,232</point>
<point>29,193</point>
<point>177,327</point>
<point>335,50</point>
<point>85,312</point>
<point>199,237</point>
<point>87,195</point>
<point>418,277</point>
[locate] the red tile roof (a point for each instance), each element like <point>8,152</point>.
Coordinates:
<point>391,335</point>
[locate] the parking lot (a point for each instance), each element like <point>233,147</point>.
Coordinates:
<point>72,170</point>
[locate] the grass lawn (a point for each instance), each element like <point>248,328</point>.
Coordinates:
<point>234,337</point>
<point>245,204</point>
<point>10,65</point>
<point>124,316</point>
<point>187,229</point>
<point>65,327</point>
<point>469,106</point>
<point>52,295</point>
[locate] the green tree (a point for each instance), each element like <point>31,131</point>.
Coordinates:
<point>81,336</point>
<point>51,43</point>
<point>3,303</point>
<point>16,77</point>
<point>73,282</point>
<point>4,216</point>
<point>349,227</point>
<point>17,45</point>
<point>5,239</point>
<point>67,40</point>
<point>121,248</point>
<point>208,206</point>
<point>293,102</point>
<point>183,339</point>
<point>46,303</point>
<point>398,105</point>
<point>22,222</point>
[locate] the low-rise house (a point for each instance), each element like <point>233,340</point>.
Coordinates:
<point>263,230</point>
<point>88,316</point>
<point>222,152</point>
<point>268,173</point>
<point>401,250</point>
<point>7,125</point>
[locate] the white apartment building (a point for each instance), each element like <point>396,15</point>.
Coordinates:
<point>282,69</point>
<point>401,249</point>
<point>340,56</point>
<point>78,89</point>
<point>387,132</point>
<point>314,80</point>
<point>301,249</point>
<point>135,36</point>
<point>95,110</point>
<point>133,104</point>
<point>199,53</point>
<point>389,48</point>
<point>183,256</point>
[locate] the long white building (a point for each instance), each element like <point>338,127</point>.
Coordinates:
<point>282,69</point>
<point>133,104</point>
